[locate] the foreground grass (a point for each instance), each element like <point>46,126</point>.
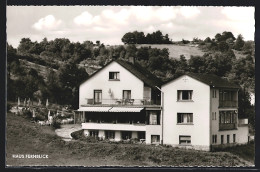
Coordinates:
<point>246,152</point>
<point>24,137</point>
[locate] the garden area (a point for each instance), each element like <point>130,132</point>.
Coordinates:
<point>49,114</point>
<point>25,137</point>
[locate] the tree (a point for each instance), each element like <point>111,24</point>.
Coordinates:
<point>249,47</point>
<point>128,38</point>
<point>139,37</point>
<point>142,53</point>
<point>98,43</point>
<point>239,42</point>
<point>185,41</point>
<point>155,62</point>
<point>69,79</point>
<point>25,45</point>
<point>223,46</point>
<point>197,64</point>
<point>207,40</point>
<point>226,35</point>
<point>130,51</point>
<point>218,37</point>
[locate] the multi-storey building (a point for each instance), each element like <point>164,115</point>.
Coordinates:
<point>201,110</point>
<point>123,101</point>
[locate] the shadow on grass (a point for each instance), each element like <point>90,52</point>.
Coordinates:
<point>246,151</point>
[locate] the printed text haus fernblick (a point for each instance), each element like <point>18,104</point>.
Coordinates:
<point>123,101</point>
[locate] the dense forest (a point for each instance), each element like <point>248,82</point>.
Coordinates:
<point>67,62</point>
<point>151,38</point>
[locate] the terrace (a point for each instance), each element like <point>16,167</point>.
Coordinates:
<point>121,102</point>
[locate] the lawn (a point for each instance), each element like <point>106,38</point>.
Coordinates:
<point>24,137</point>
<point>176,50</point>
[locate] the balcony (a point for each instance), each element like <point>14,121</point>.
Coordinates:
<point>228,103</point>
<point>110,126</point>
<point>231,126</point>
<point>122,102</point>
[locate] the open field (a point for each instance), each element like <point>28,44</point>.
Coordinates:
<point>176,50</point>
<point>25,137</point>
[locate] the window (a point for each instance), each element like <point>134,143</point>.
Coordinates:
<point>126,94</point>
<point>155,138</point>
<point>97,96</point>
<point>109,134</point>
<point>184,118</point>
<point>214,95</point>
<point>227,95</point>
<point>141,135</point>
<point>126,135</point>
<point>184,140</point>
<point>234,138</point>
<point>228,138</point>
<point>214,115</point>
<point>214,138</point>
<point>222,139</point>
<point>154,118</point>
<point>227,117</point>
<point>93,133</point>
<point>184,95</point>
<point>114,76</point>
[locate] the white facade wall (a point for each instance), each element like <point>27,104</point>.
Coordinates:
<point>241,136</point>
<point>117,127</point>
<point>214,108</point>
<point>200,107</point>
<point>101,82</point>
<point>152,130</point>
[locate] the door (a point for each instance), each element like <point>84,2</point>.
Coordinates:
<point>126,96</point>
<point>97,96</point>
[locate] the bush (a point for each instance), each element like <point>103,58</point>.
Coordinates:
<point>8,107</point>
<point>27,114</point>
<point>39,117</point>
<point>90,139</point>
<point>56,123</point>
<point>77,134</point>
<point>43,113</point>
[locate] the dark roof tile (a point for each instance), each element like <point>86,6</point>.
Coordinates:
<point>211,80</point>
<point>147,77</point>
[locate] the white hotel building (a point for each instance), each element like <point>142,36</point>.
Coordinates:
<point>123,101</point>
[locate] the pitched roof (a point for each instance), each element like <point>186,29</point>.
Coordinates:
<point>147,77</point>
<point>211,80</point>
<point>144,75</point>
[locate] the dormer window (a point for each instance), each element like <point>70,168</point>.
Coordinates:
<point>114,76</point>
<point>184,95</point>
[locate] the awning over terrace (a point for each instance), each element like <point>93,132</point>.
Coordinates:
<point>109,109</point>
<point>124,109</point>
<point>94,109</point>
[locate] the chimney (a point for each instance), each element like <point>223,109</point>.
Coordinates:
<point>132,60</point>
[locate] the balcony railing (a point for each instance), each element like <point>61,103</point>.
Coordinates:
<point>227,126</point>
<point>228,103</point>
<point>121,102</point>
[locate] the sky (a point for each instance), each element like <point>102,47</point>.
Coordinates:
<point>108,24</point>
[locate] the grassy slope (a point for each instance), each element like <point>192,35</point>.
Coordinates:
<point>42,70</point>
<point>176,50</point>
<point>24,137</point>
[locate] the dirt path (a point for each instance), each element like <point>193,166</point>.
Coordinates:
<point>65,131</point>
